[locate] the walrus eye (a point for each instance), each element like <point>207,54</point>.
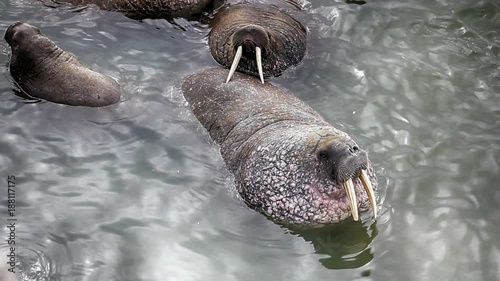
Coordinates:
<point>323,154</point>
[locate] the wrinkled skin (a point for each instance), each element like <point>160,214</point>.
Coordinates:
<point>155,9</point>
<point>45,71</point>
<point>288,162</point>
<point>281,37</point>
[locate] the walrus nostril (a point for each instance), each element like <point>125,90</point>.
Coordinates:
<point>250,37</point>
<point>248,48</point>
<point>353,149</point>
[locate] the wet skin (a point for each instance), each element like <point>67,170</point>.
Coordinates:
<point>156,9</point>
<point>258,39</point>
<point>288,162</point>
<point>45,71</point>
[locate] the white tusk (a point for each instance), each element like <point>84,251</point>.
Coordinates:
<point>236,60</point>
<point>259,63</point>
<point>365,180</point>
<point>351,195</point>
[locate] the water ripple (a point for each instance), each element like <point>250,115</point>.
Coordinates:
<point>137,191</point>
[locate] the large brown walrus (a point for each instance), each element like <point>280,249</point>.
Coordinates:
<point>156,9</point>
<point>288,162</point>
<point>258,39</point>
<point>45,71</point>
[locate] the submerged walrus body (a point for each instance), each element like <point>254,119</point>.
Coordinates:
<point>258,39</point>
<point>288,162</point>
<point>45,71</point>
<point>155,9</point>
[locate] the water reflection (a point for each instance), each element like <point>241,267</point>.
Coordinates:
<point>346,244</point>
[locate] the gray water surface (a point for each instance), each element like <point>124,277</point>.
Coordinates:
<point>137,191</point>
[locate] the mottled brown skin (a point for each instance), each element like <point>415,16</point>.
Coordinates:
<point>288,162</point>
<point>271,27</point>
<point>155,9</point>
<point>45,71</point>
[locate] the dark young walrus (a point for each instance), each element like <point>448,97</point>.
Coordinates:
<point>258,39</point>
<point>156,9</point>
<point>45,71</point>
<point>288,162</point>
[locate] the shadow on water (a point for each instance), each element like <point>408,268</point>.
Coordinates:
<point>345,244</point>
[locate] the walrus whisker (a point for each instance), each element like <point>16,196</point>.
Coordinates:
<point>236,60</point>
<point>259,63</point>
<point>365,180</point>
<point>351,195</point>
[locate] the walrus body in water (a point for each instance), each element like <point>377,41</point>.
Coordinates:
<point>288,162</point>
<point>258,39</point>
<point>45,71</point>
<point>154,9</point>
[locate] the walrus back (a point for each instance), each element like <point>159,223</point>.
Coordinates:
<point>233,112</point>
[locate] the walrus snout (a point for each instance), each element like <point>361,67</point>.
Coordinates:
<point>343,162</point>
<point>249,42</point>
<point>251,37</point>
<point>18,31</point>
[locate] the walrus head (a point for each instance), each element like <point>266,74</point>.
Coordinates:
<point>303,175</point>
<point>343,162</point>
<point>17,32</point>
<point>256,39</point>
<point>29,46</point>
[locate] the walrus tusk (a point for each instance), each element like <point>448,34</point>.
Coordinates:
<point>236,60</point>
<point>369,190</point>
<point>259,63</point>
<point>351,195</point>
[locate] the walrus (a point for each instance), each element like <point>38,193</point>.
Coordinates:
<point>258,39</point>
<point>44,71</point>
<point>154,9</point>
<point>288,162</point>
